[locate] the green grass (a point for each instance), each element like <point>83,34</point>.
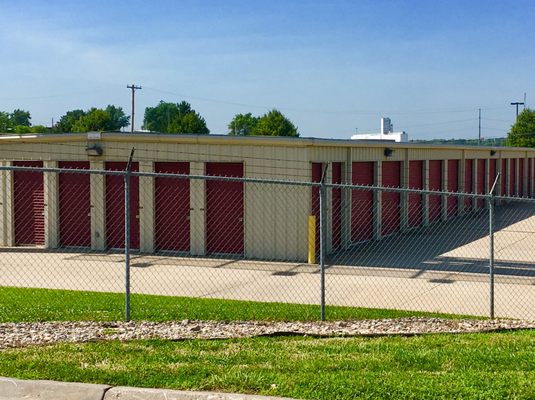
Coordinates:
<point>478,366</point>
<point>23,304</point>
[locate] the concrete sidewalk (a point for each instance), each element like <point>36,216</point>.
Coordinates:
<point>15,389</point>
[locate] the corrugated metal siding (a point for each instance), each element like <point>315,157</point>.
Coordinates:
<point>468,183</point>
<point>115,218</point>
<point>327,154</point>
<point>492,173</point>
<point>337,168</point>
<point>529,190</point>
<point>471,152</point>
<point>480,182</point>
<point>521,177</point>
<point>362,202</point>
<point>435,183</point>
<point>512,177</point>
<point>453,186</point>
<point>415,200</point>
<point>172,207</point>
<point>434,154</point>
<point>390,204</point>
<point>74,205</point>
<point>503,178</point>
<point>224,210</point>
<point>29,204</point>
<point>367,154</point>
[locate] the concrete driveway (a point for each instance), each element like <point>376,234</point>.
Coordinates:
<point>443,268</point>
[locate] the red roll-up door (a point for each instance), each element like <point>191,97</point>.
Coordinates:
<point>390,204</point>
<point>224,209</point>
<point>480,182</point>
<point>492,173</point>
<point>115,207</point>
<point>520,177</point>
<point>435,183</point>
<point>416,181</point>
<point>453,186</point>
<point>337,206</point>
<point>503,178</point>
<point>29,204</point>
<point>512,177</point>
<point>317,169</point>
<point>362,202</point>
<point>74,205</point>
<point>468,183</point>
<point>172,206</point>
<point>529,190</point>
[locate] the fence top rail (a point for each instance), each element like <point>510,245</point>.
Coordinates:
<point>425,192</point>
<point>263,181</point>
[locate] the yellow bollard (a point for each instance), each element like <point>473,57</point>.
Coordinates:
<point>312,239</point>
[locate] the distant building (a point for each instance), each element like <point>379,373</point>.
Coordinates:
<point>387,133</point>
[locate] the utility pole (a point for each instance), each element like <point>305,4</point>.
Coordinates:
<point>134,88</point>
<point>479,135</point>
<point>517,103</point>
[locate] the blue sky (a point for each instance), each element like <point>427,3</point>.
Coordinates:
<point>330,66</point>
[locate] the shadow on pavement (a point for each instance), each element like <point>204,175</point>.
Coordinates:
<point>459,245</point>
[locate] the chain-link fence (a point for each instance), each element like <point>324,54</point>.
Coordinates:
<point>173,233</point>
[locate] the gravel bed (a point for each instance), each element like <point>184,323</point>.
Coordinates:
<point>42,333</point>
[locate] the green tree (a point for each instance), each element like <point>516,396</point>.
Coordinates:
<point>95,119</point>
<point>20,117</point>
<point>67,121</point>
<point>5,122</point>
<point>274,123</point>
<point>39,129</point>
<point>174,118</point>
<point>242,124</point>
<point>22,129</point>
<point>522,133</point>
<point>118,119</point>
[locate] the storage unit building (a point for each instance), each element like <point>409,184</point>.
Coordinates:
<point>253,220</point>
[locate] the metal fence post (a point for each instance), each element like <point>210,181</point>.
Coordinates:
<point>491,245</point>
<point>127,235</point>
<point>491,255</point>
<point>322,244</point>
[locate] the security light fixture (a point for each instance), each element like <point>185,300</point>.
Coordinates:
<point>388,152</point>
<point>94,150</point>
<point>493,152</point>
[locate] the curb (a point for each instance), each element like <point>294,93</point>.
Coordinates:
<point>14,389</point>
<point>11,389</point>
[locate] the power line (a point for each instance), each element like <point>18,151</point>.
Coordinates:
<point>325,111</point>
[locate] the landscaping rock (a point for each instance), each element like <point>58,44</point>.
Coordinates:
<point>43,333</point>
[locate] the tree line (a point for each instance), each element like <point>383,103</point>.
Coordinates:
<point>165,117</point>
<point>180,117</point>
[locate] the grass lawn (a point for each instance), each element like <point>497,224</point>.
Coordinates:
<point>489,366</point>
<point>23,304</point>
<point>493,365</point>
